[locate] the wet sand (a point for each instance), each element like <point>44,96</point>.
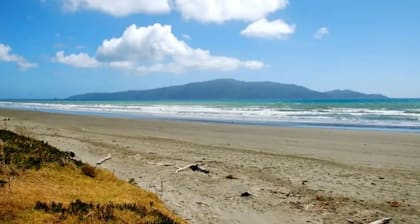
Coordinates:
<point>294,175</point>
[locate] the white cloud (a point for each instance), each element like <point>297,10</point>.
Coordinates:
<point>320,33</point>
<point>7,56</point>
<point>120,7</point>
<point>81,60</point>
<point>156,49</point>
<point>219,11</point>
<point>276,29</point>
<point>150,43</point>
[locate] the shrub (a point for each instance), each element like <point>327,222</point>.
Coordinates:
<point>79,207</point>
<point>89,170</point>
<point>41,206</point>
<point>106,212</point>
<point>132,181</point>
<point>28,153</point>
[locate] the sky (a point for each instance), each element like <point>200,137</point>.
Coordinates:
<point>59,48</point>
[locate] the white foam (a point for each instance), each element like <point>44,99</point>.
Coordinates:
<point>264,113</point>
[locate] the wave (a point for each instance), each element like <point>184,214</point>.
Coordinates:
<point>260,113</point>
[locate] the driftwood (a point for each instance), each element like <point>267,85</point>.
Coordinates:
<point>184,168</point>
<point>193,167</point>
<point>108,157</point>
<point>382,221</point>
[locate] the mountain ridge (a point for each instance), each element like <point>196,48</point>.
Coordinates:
<point>220,89</point>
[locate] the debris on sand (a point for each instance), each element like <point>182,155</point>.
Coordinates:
<point>193,167</point>
<point>394,204</point>
<point>382,221</point>
<point>108,157</point>
<point>231,177</point>
<point>246,194</point>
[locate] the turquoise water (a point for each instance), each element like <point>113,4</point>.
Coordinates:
<point>388,114</point>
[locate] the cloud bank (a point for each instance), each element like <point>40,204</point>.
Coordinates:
<point>7,56</point>
<point>208,11</point>
<point>152,49</point>
<point>205,11</point>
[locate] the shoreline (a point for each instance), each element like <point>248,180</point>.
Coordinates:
<point>289,171</point>
<point>280,124</point>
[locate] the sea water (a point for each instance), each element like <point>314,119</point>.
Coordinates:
<point>384,114</point>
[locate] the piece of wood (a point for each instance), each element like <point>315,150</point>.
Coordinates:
<point>108,157</point>
<point>199,169</point>
<point>382,221</point>
<point>193,167</point>
<point>184,168</point>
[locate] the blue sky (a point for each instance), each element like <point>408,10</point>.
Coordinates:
<point>54,49</point>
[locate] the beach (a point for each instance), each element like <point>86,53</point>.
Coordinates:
<point>293,175</point>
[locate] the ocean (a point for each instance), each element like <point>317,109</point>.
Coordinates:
<point>385,115</point>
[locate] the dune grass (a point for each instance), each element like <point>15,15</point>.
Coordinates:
<point>44,185</point>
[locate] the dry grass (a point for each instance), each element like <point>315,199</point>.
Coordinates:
<point>54,182</point>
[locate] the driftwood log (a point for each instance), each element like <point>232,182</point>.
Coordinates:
<point>108,157</point>
<point>382,221</point>
<point>193,167</point>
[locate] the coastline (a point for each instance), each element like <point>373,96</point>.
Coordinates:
<point>391,115</point>
<point>268,161</point>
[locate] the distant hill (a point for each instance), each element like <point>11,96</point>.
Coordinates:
<point>228,89</point>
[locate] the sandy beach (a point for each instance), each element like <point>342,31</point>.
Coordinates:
<point>294,175</point>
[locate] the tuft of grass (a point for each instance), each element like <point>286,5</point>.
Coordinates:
<point>53,188</point>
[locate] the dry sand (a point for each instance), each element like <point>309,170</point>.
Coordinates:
<point>295,175</point>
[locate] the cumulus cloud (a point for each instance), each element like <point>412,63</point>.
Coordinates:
<point>7,56</point>
<point>276,29</point>
<point>156,49</point>
<point>219,11</point>
<point>81,60</point>
<point>120,7</point>
<point>320,33</point>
